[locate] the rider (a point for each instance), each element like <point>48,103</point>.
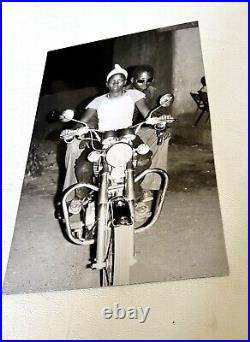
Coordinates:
<point>141,79</point>
<point>113,110</point>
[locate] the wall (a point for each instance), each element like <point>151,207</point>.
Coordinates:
<point>151,47</point>
<point>187,68</point>
<point>176,57</point>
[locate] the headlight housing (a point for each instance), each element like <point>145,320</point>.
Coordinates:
<point>119,154</point>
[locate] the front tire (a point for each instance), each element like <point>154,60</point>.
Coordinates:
<point>119,256</point>
<point>107,273</point>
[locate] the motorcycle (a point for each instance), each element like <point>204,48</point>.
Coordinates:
<point>107,220</point>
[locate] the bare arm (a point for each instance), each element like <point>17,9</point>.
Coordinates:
<point>89,116</point>
<point>143,108</point>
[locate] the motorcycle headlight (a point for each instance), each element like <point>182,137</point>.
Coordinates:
<point>94,156</point>
<point>119,154</point>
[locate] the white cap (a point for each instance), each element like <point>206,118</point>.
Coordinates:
<point>117,70</point>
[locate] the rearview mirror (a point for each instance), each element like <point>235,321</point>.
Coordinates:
<point>166,100</point>
<point>67,115</point>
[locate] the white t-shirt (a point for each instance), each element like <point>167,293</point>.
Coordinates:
<point>116,112</point>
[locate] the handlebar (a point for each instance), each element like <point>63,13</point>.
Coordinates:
<point>69,134</point>
<point>164,122</point>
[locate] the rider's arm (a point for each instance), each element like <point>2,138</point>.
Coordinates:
<point>143,108</point>
<point>89,116</point>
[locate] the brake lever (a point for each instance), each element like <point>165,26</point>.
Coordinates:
<point>160,128</point>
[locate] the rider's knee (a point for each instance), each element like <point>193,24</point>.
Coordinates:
<point>73,146</point>
<point>72,153</point>
<point>144,161</point>
<point>83,168</point>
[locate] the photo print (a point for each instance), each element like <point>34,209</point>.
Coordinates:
<point>120,183</point>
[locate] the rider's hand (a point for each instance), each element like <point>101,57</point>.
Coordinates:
<point>157,119</point>
<point>81,131</point>
<point>67,134</point>
<point>170,118</point>
<point>160,119</point>
<point>153,121</point>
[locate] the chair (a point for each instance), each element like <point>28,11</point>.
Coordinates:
<point>201,100</point>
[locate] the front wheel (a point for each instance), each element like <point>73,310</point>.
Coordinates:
<point>107,273</point>
<point>119,256</point>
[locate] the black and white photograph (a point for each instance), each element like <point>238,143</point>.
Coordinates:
<point>120,184</point>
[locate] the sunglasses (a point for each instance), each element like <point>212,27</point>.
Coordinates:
<point>144,81</point>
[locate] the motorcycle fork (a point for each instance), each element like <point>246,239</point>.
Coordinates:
<point>130,197</point>
<point>102,219</point>
<point>129,188</point>
<point>102,212</point>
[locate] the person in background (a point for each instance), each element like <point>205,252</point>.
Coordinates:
<point>203,95</point>
<point>141,79</point>
<point>204,85</point>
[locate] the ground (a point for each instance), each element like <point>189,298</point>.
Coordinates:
<point>186,242</point>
